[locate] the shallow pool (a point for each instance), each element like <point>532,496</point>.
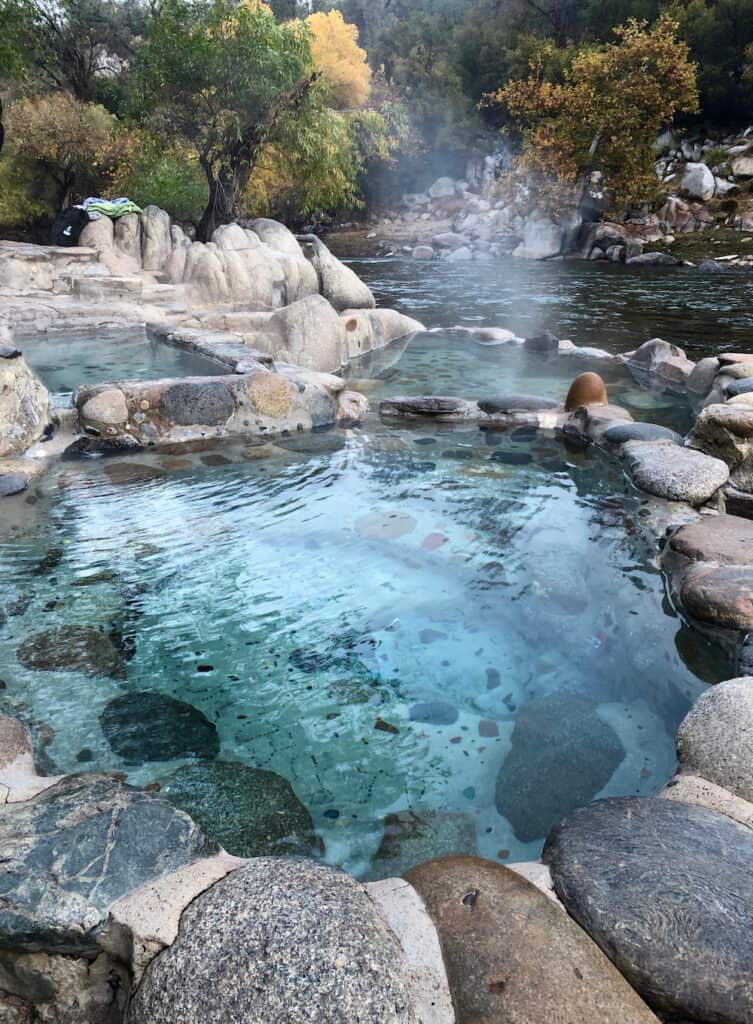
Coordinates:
<point>68,359</point>
<point>444,620</point>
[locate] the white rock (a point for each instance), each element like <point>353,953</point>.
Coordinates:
<point>698,181</point>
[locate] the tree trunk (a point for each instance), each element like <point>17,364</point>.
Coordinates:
<point>226,189</point>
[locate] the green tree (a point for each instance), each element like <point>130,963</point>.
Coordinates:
<point>606,113</point>
<point>230,80</point>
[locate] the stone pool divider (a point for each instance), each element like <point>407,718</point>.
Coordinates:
<point>117,908</point>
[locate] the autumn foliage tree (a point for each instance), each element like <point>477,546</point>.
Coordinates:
<point>341,61</point>
<point>606,113</point>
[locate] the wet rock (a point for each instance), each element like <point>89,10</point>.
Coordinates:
<point>515,403</point>
<point>72,649</point>
<point>145,726</point>
<point>586,389</point>
<point>511,458</point>
<point>385,525</point>
<point>101,446</point>
<point>423,252</point>
<point>712,267</point>
<point>664,889</point>
<point>744,386</point>
<point>431,406</point>
<point>352,408</point>
<point>12,483</point>
<point>725,539</point>
<point>590,422</point>
<point>689,788</point>
<point>512,956</point>
<point>624,432</point>
<point>132,472</point>
<point>658,362</point>
<point>722,596</point>
<point>74,849</point>
<point>745,657</point>
<point>435,712</point>
<point>653,259</point>
<point>251,812</point>
<point>24,406</point>
<point>197,402</point>
<point>411,837</point>
<point>546,343</point>
<point>715,738</point>
<point>314,948</point>
<point>577,754</point>
<point>673,472</point>
<point>702,377</point>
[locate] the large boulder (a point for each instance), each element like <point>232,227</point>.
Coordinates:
<point>308,333</point>
<point>74,849</point>
<point>715,738</point>
<point>338,284</point>
<point>127,236</point>
<point>369,329</point>
<point>658,362</point>
<point>577,754</point>
<point>279,940</point>
<point>673,472</point>
<point>726,432</point>
<point>725,540</point>
<point>142,726</point>
<point>251,812</point>
<point>698,182</point>
<point>542,239</point>
<point>512,956</point>
<point>664,888</point>
<point>24,404</point>
<point>156,241</point>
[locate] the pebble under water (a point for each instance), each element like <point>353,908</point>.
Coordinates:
<point>466,625</point>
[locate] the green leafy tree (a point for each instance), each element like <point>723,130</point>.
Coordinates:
<point>230,80</point>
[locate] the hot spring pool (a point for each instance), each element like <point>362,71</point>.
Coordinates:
<point>67,359</point>
<point>464,624</point>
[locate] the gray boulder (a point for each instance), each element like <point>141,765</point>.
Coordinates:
<point>127,236</point>
<point>542,239</point>
<point>24,406</point>
<point>621,433</point>
<point>698,182</point>
<point>74,849</point>
<point>143,726</point>
<point>423,252</point>
<point>653,259</point>
<point>251,812</point>
<point>279,940</point>
<point>715,738</point>
<point>670,471</point>
<point>664,889</point>
<point>202,401</point>
<point>156,241</point>
<point>443,188</point>
<point>339,284</point>
<point>577,754</point>
<point>702,377</point>
<point>461,255</point>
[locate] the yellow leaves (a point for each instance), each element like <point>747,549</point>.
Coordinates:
<point>342,62</point>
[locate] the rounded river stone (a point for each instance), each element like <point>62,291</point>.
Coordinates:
<point>725,539</point>
<point>623,432</point>
<point>278,941</point>
<point>74,849</point>
<point>515,403</point>
<point>740,387</point>
<point>205,402</point>
<point>665,889</point>
<point>145,726</point>
<point>562,755</point>
<point>513,956</point>
<point>72,649</point>
<point>673,472</point>
<point>253,813</point>
<point>720,595</point>
<point>12,483</point>
<point>716,737</point>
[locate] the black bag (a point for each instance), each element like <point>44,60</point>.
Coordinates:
<point>68,226</point>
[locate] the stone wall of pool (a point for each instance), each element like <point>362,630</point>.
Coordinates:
<point>116,906</point>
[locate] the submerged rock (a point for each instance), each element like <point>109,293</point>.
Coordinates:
<point>434,712</point>
<point>664,889</point>
<point>145,726</point>
<point>411,837</point>
<point>74,849</point>
<point>576,754</point>
<point>279,940</point>
<point>513,956</point>
<point>251,812</point>
<point>515,403</point>
<point>72,649</point>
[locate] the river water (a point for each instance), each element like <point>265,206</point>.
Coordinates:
<point>463,624</point>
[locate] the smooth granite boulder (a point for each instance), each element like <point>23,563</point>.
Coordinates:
<point>657,361</point>
<point>703,375</point>
<point>664,888</point>
<point>411,837</point>
<point>24,406</point>
<point>73,649</point>
<point>673,472</point>
<point>740,387</point>
<point>513,956</point>
<point>74,849</point>
<point>197,401</point>
<point>576,755</point>
<point>621,433</point>
<point>715,738</point>
<point>726,432</point>
<point>252,812</point>
<point>279,941</point>
<point>339,285</point>
<point>144,726</point>
<point>719,595</point>
<point>515,403</point>
<point>727,540</point>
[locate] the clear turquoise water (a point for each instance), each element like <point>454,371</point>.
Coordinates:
<point>298,599</point>
<point>66,360</point>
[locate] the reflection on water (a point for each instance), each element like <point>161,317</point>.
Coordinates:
<point>443,620</point>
